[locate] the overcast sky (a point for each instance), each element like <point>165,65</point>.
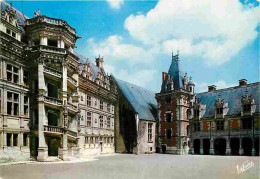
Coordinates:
<point>218,40</point>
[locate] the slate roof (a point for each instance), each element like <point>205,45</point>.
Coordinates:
<point>20,17</point>
<point>176,72</point>
<point>93,67</point>
<point>232,96</point>
<point>142,100</point>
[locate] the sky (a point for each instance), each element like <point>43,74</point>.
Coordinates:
<point>218,41</point>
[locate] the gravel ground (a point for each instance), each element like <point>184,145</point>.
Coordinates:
<point>124,166</point>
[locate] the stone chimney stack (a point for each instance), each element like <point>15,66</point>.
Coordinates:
<point>242,82</point>
<point>163,76</point>
<point>99,62</point>
<point>212,88</point>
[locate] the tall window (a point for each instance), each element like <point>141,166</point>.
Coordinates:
<point>108,107</point>
<point>88,119</point>
<point>25,78</point>
<point>101,105</point>
<point>247,107</point>
<point>150,127</point>
<point>26,104</point>
<point>169,133</point>
<point>196,113</point>
<point>220,125</point>
<point>88,101</point>
<point>12,73</point>
<point>220,110</point>
<point>108,122</point>
<point>196,126</point>
<point>52,90</point>
<point>12,103</point>
<point>101,122</point>
<point>168,117</point>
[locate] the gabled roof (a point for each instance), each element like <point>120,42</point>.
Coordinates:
<point>20,17</point>
<point>142,100</point>
<point>176,72</point>
<point>232,96</point>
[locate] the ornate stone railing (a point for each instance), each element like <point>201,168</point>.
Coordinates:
<point>49,20</point>
<point>53,101</point>
<point>54,129</point>
<point>226,132</point>
<point>72,80</point>
<point>72,107</point>
<point>50,49</point>
<point>72,133</point>
<point>51,72</point>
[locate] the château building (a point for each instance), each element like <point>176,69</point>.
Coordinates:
<point>220,122</point>
<point>54,102</point>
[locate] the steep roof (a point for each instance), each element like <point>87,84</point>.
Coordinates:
<point>142,100</point>
<point>176,72</point>
<point>232,96</point>
<point>20,17</point>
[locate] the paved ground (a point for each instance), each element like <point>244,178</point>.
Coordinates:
<point>124,166</point>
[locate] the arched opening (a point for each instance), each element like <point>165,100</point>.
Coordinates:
<point>234,145</point>
<point>257,146</point>
<point>247,146</point>
<point>163,149</point>
<point>206,146</point>
<point>196,145</point>
<point>220,146</point>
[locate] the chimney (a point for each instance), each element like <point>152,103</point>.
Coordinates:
<point>242,82</point>
<point>99,62</point>
<point>212,88</point>
<point>163,76</point>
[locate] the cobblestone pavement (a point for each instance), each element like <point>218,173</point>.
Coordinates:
<point>124,166</point>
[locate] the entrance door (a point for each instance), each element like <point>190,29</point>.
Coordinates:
<point>257,146</point>
<point>234,145</point>
<point>53,146</point>
<point>247,146</point>
<point>101,147</point>
<point>220,147</point>
<point>206,146</point>
<point>196,145</point>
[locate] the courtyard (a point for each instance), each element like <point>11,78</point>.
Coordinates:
<point>126,166</point>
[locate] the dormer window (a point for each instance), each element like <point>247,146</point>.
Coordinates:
<point>168,100</point>
<point>247,107</point>
<point>8,31</point>
<point>247,104</point>
<point>220,110</point>
<point>196,126</point>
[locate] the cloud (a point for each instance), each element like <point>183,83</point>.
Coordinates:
<point>203,86</point>
<point>115,4</point>
<point>210,29</point>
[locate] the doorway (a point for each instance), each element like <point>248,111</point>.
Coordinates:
<point>220,146</point>
<point>206,146</point>
<point>234,145</point>
<point>196,145</point>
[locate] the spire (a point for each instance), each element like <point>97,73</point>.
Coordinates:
<point>176,72</point>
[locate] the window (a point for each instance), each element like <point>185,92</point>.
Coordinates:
<point>150,127</point>
<point>196,126</point>
<point>88,119</point>
<point>52,119</point>
<point>8,136</point>
<point>247,107</point>
<point>8,31</point>
<point>13,34</point>
<point>220,125</point>
<point>52,43</point>
<point>196,113</point>
<point>25,78</point>
<point>52,90</point>
<point>15,139</point>
<point>108,107</point>
<point>101,105</point>
<point>88,101</point>
<point>12,103</point>
<point>247,123</point>
<point>168,117</point>
<point>168,100</point>
<point>108,122</point>
<point>12,73</point>
<point>220,110</point>
<point>169,133</point>
<point>25,139</point>
<point>101,122</point>
<point>26,108</point>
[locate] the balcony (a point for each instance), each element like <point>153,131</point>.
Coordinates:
<point>72,82</point>
<point>52,72</point>
<point>53,129</point>
<point>52,101</point>
<point>72,107</point>
<point>72,134</point>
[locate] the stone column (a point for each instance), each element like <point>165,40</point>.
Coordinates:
<point>211,150</point>
<point>241,150</point>
<point>4,75</point>
<point>20,141</point>
<point>42,148</point>
<point>228,150</point>
<point>201,147</point>
<point>191,149</point>
<point>63,152</point>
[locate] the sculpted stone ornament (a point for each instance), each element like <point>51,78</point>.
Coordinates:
<point>37,13</point>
